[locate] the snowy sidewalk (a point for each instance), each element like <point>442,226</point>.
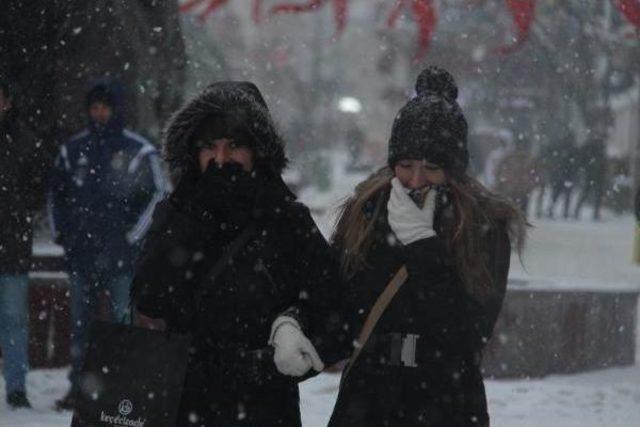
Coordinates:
<point>584,253</point>
<point>603,398</point>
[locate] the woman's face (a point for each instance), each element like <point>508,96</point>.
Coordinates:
<point>416,174</point>
<point>224,151</point>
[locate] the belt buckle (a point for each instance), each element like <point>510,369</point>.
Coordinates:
<point>403,349</point>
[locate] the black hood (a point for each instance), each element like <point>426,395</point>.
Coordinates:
<point>110,92</point>
<point>241,101</point>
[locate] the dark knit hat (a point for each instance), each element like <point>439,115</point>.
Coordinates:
<point>102,91</point>
<point>431,126</point>
<point>228,109</point>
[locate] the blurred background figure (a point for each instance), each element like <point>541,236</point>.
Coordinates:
<point>20,182</point>
<point>542,164</point>
<point>562,172</point>
<point>500,144</point>
<point>636,246</point>
<point>515,175</point>
<point>104,187</point>
<point>592,159</point>
<point>355,140</point>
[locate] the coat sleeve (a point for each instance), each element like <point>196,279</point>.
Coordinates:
<point>458,321</point>
<point>162,285</point>
<point>318,307</point>
<point>149,187</point>
<point>35,165</point>
<point>58,205</point>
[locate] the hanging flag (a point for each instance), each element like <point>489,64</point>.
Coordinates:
<point>395,13</point>
<point>297,7</point>
<point>190,4</point>
<point>425,16</point>
<point>523,12</point>
<point>256,11</point>
<point>211,6</point>
<point>630,9</point>
<point>339,10</point>
<point>340,15</point>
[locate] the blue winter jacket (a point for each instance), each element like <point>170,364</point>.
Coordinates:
<point>104,186</point>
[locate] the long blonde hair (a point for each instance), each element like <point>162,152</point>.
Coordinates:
<point>474,209</point>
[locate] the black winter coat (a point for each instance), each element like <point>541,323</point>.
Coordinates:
<point>441,385</point>
<point>20,185</point>
<point>286,266</point>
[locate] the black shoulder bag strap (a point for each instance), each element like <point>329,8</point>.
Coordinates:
<point>222,263</point>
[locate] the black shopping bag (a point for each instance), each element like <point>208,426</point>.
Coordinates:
<point>132,377</point>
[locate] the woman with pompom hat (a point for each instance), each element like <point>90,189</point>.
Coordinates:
<point>423,214</point>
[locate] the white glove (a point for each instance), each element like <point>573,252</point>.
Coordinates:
<point>406,219</point>
<point>294,354</point>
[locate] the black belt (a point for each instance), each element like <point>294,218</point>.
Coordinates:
<point>410,351</point>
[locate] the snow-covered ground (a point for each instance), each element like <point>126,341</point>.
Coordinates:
<point>560,254</point>
<point>604,398</point>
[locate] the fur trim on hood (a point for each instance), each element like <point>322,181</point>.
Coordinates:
<point>240,100</point>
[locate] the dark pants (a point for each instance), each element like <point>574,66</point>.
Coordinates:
<point>86,290</point>
<point>559,189</point>
<point>589,189</point>
<point>14,329</point>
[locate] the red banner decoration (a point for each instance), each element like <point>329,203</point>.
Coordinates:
<point>212,5</point>
<point>426,19</point>
<point>297,7</point>
<point>340,14</point>
<point>630,9</point>
<point>339,10</point>
<point>395,13</point>
<point>256,11</point>
<point>189,4</point>
<point>523,12</point>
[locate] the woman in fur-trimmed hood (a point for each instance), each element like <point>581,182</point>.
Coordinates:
<point>421,364</point>
<point>242,105</point>
<point>225,159</point>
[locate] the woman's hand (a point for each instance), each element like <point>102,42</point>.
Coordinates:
<point>294,354</point>
<point>409,222</point>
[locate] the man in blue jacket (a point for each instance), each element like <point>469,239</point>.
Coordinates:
<point>104,187</point>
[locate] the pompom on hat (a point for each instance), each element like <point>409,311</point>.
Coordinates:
<point>431,126</point>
